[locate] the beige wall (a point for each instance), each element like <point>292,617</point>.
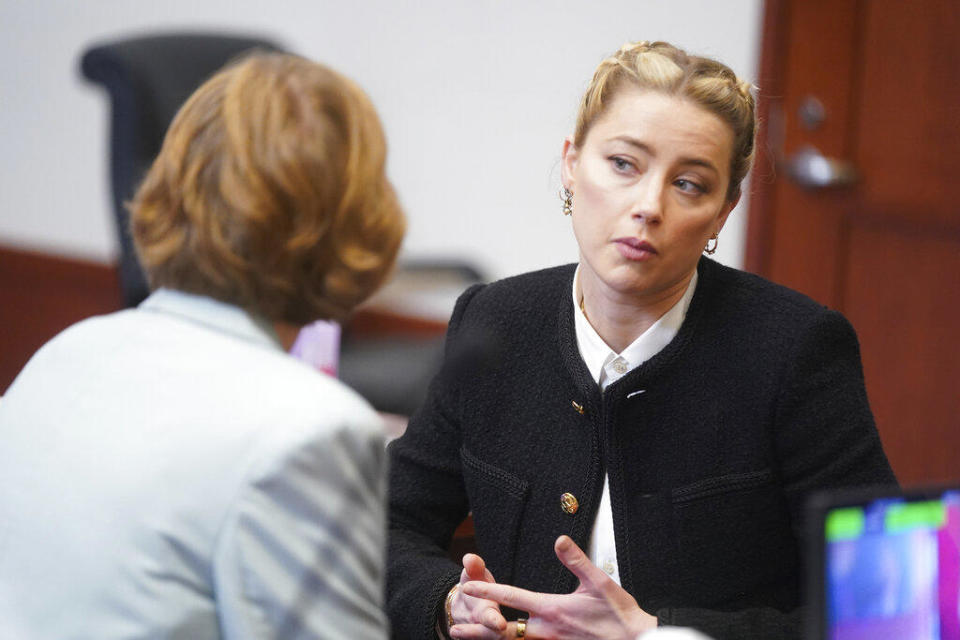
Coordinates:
<point>475,96</point>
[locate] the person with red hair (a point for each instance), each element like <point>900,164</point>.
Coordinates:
<point>170,471</point>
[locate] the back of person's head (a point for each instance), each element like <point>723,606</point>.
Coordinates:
<point>660,66</point>
<point>269,193</point>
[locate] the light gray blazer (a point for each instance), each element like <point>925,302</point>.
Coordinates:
<point>169,472</point>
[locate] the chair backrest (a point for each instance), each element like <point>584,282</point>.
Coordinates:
<point>147,79</point>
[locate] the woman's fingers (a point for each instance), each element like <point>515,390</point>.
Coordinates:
<point>474,632</point>
<point>474,566</point>
<point>480,632</point>
<point>505,594</point>
<point>576,560</point>
<point>478,611</point>
<point>493,619</point>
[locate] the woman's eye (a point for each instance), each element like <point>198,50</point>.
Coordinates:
<point>621,164</point>
<point>688,186</point>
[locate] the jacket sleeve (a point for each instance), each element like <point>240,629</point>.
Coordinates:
<point>760,622</point>
<point>301,552</point>
<point>824,438</point>
<point>427,499</point>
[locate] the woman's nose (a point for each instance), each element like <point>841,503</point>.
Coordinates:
<point>648,201</point>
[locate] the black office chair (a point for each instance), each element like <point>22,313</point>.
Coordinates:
<point>147,79</point>
<point>393,371</point>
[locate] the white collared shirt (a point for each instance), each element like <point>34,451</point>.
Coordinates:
<point>605,367</point>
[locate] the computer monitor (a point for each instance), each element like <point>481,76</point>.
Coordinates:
<point>884,563</point>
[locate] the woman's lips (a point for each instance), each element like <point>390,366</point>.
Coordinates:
<point>635,249</point>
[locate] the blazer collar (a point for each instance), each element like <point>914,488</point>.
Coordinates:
<point>649,369</point>
<point>213,314</point>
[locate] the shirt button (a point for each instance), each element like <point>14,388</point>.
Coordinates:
<point>608,566</point>
<point>620,366</point>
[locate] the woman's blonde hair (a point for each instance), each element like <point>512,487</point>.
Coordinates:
<point>269,193</point>
<point>662,67</point>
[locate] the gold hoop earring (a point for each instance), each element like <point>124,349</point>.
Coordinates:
<point>567,197</point>
<point>711,250</point>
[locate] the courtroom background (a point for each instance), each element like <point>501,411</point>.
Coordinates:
<point>476,98</point>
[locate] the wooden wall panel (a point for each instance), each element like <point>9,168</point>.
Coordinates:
<point>890,304</point>
<point>40,295</point>
<point>885,248</point>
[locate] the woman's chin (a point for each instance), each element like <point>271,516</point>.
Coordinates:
<point>629,283</point>
<point>627,280</point>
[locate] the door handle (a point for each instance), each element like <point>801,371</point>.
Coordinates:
<point>812,170</point>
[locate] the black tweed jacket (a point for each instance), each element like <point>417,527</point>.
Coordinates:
<point>711,447</point>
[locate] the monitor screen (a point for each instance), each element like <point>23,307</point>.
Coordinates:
<point>891,568</point>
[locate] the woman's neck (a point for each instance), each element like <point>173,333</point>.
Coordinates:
<point>287,333</point>
<point>619,318</point>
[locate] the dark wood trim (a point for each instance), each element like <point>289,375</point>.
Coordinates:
<point>43,294</point>
<point>771,82</point>
<point>378,322</point>
<point>464,541</point>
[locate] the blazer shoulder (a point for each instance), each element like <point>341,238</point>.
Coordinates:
<point>733,290</point>
<point>316,401</point>
<point>524,294</point>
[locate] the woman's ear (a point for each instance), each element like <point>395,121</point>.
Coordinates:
<point>728,206</point>
<point>570,157</point>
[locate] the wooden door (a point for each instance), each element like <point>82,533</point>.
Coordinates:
<point>871,87</point>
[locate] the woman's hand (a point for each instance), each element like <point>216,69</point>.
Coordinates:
<point>473,611</point>
<point>599,608</point>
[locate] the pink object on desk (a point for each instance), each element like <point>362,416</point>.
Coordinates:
<point>318,344</point>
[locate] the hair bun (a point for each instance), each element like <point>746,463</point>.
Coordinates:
<point>660,66</point>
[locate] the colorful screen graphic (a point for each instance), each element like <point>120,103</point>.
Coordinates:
<point>892,570</point>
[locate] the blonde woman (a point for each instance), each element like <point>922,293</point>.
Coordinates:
<point>635,434</point>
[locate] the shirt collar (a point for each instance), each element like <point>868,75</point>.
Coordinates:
<point>599,357</point>
<point>213,314</point>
